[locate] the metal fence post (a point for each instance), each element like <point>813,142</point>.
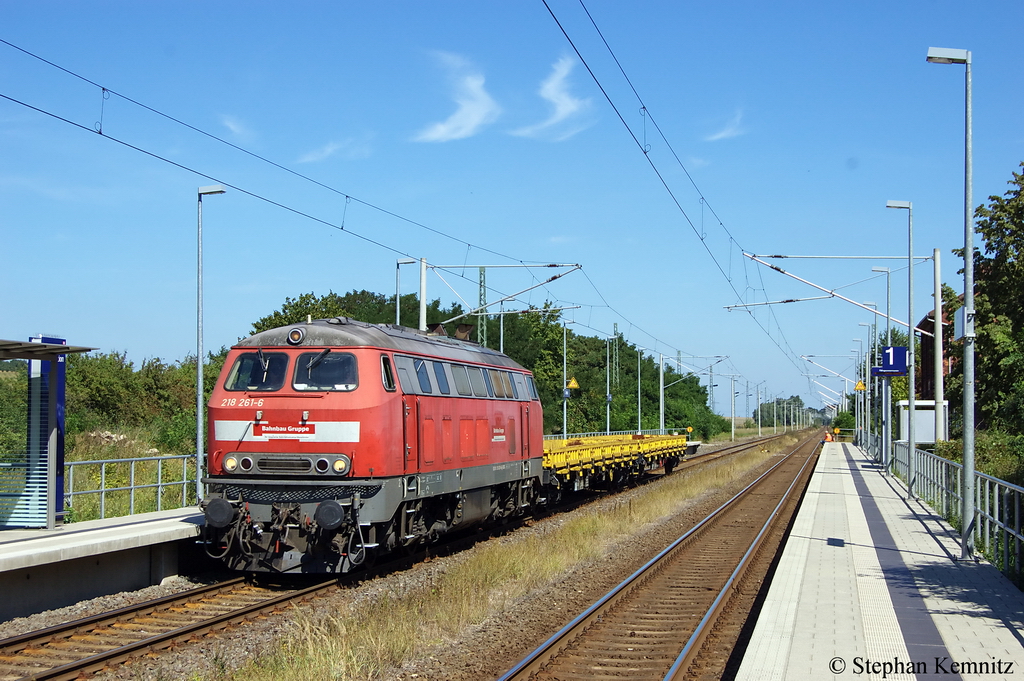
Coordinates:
<point>103,490</point>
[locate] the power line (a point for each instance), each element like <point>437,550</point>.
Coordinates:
<point>790,354</point>
<point>342,227</point>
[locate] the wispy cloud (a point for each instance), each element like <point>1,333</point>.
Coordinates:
<point>350,148</point>
<point>476,107</point>
<point>236,126</point>
<point>733,128</point>
<point>555,89</point>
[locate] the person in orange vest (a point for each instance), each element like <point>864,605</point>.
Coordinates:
<point>828,437</point>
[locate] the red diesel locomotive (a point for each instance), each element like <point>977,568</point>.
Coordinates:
<point>334,440</point>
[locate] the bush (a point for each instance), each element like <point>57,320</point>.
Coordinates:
<point>13,410</point>
<point>996,453</point>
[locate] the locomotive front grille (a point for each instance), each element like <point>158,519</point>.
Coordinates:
<point>290,465</point>
<point>274,495</point>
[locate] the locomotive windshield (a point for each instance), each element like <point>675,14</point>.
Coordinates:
<point>258,371</point>
<point>325,370</point>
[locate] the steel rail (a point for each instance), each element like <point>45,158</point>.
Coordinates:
<point>98,661</point>
<point>21,641</point>
<point>690,650</point>
<point>570,632</point>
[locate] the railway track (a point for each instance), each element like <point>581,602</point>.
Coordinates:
<point>655,624</point>
<point>88,645</point>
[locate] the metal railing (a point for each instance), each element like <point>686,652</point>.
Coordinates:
<point>159,485</point>
<point>939,483</point>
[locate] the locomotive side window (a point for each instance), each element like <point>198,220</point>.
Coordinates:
<point>325,370</point>
<point>519,387</point>
<point>387,376</point>
<point>476,377</point>
<point>532,386</point>
<point>258,371</point>
<point>421,375</point>
<point>461,380</point>
<point>499,388</point>
<point>442,378</point>
<point>487,382</point>
<point>510,390</point>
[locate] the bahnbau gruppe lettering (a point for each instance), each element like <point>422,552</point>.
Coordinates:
<point>296,429</point>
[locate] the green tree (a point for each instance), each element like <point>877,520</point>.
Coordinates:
<point>365,306</point>
<point>844,420</point>
<point>999,313</point>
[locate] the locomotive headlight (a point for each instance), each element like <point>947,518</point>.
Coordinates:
<point>230,464</point>
<point>296,335</point>
<point>341,465</point>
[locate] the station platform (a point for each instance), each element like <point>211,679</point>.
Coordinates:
<point>43,569</point>
<point>870,586</point>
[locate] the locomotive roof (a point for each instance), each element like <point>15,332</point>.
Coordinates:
<point>344,331</point>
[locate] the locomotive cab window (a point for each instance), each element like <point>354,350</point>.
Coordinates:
<point>257,371</point>
<point>325,370</point>
<point>387,376</point>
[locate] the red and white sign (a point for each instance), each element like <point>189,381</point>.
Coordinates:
<point>317,431</point>
<point>282,431</point>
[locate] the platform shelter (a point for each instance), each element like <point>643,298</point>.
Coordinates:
<point>29,491</point>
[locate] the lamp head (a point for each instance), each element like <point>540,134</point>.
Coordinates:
<point>899,204</point>
<point>880,269</point>
<point>946,55</point>
<point>212,189</point>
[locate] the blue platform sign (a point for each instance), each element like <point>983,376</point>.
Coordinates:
<point>894,362</point>
<point>44,377</point>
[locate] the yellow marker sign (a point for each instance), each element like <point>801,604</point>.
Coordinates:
<point>836,431</point>
<point>689,429</point>
<point>573,385</point>
<point>860,386</point>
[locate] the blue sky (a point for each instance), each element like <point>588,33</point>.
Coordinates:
<point>796,123</point>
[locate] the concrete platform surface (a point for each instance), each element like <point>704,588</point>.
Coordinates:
<point>29,548</point>
<point>869,587</point>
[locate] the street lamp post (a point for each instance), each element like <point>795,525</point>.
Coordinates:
<point>860,393</point>
<point>203,191</point>
<point>868,392</point>
<point>886,384</point>
<point>940,392</point>
<point>942,55</point>
<point>911,373</point>
<point>732,415</point>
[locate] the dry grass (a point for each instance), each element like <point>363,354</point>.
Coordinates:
<point>382,634</point>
